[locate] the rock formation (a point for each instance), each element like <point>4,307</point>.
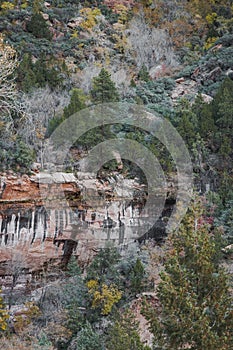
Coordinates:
<point>50,216</point>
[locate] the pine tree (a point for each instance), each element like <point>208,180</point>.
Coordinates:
<point>88,339</point>
<point>225,220</point>
<point>25,76</point>
<point>75,296</point>
<point>104,89</point>
<point>187,124</point>
<point>143,74</point>
<point>222,107</point>
<point>38,27</point>
<point>223,97</point>
<point>103,266</point>
<point>123,334</point>
<point>73,268</point>
<point>204,114</point>
<point>137,277</point>
<point>194,294</point>
<point>77,102</point>
<point>225,122</point>
<point>40,70</point>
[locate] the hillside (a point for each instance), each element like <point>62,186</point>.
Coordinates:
<point>115,117</point>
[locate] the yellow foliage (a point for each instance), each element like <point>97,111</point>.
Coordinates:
<point>107,59</point>
<point>121,42</point>
<point>209,42</point>
<point>24,4</point>
<point>211,17</point>
<point>103,296</point>
<point>89,18</point>
<point>3,315</point>
<point>92,285</point>
<point>6,5</point>
<point>22,321</point>
<point>110,296</point>
<point>123,13</point>
<point>202,7</point>
<point>74,35</point>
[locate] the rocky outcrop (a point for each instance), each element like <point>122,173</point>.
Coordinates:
<point>44,218</point>
<point>27,227</point>
<point>184,87</point>
<point>29,191</point>
<point>50,216</point>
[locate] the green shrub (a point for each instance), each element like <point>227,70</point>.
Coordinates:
<point>88,339</point>
<point>17,156</point>
<point>38,27</point>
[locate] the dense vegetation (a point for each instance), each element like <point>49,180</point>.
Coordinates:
<point>175,58</point>
<point>194,295</point>
<point>94,310</point>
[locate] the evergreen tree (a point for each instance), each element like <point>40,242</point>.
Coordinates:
<point>222,109</point>
<point>225,186</point>
<point>123,334</point>
<point>38,27</point>
<point>31,75</point>
<point>88,339</point>
<point>137,276</point>
<point>225,220</point>
<point>103,266</point>
<point>143,74</point>
<point>225,122</point>
<point>104,89</point>
<point>40,71</point>
<point>25,75</point>
<point>187,123</point>
<point>222,97</point>
<point>53,77</point>
<point>73,268</point>
<point>75,296</point>
<point>77,102</point>
<point>53,124</point>
<point>206,123</point>
<point>203,112</point>
<point>194,294</point>
<point>23,156</point>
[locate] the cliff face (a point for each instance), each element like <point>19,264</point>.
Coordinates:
<point>26,191</point>
<point>27,228</point>
<point>39,225</point>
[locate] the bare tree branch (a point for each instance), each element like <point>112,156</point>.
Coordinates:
<point>9,100</point>
<point>151,46</point>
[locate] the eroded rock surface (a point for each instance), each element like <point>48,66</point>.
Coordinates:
<point>51,215</point>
